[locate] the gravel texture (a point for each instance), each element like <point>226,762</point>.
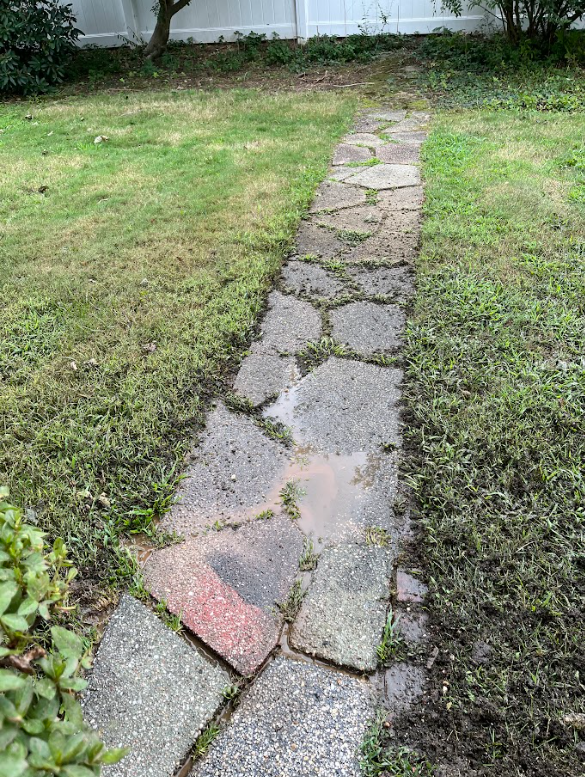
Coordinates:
<point>233,467</point>
<point>297,720</point>
<point>331,196</point>
<point>397,282</point>
<point>386,177</point>
<point>343,406</point>
<point>367,327</point>
<point>263,375</point>
<point>385,246</point>
<point>343,614</point>
<point>311,280</point>
<point>288,325</point>
<point>149,691</point>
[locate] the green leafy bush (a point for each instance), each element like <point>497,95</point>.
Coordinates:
<point>42,731</point>
<point>37,40</point>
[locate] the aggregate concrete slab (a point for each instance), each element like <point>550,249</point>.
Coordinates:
<point>343,614</point>
<point>367,327</point>
<point>297,720</point>
<point>332,195</point>
<point>313,240</point>
<point>399,154</point>
<point>413,138</point>
<point>385,246</point>
<point>367,124</point>
<point>289,324</point>
<point>367,139</point>
<point>311,280</point>
<point>345,152</point>
<point>397,282</point>
<point>264,375</point>
<point>386,177</point>
<point>149,691</point>
<point>343,406</point>
<point>234,465</point>
<point>341,173</point>
<point>410,124</point>
<point>225,586</point>
<point>365,218</point>
<point>410,198</point>
<point>390,115</point>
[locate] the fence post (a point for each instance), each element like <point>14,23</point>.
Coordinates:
<point>131,20</point>
<point>302,20</point>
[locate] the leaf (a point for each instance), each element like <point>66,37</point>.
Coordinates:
<point>114,755</point>
<point>12,765</point>
<point>27,607</point>
<point>13,622</point>
<point>45,688</point>
<point>67,643</point>
<point>72,710</point>
<point>8,591</point>
<point>10,681</point>
<point>73,684</point>
<point>75,770</point>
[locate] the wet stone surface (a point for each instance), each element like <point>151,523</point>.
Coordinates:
<point>288,325</point>
<point>233,466</point>
<point>343,406</point>
<point>343,614</point>
<point>311,280</point>
<point>149,691</point>
<point>403,685</point>
<point>386,177</point>
<point>412,626</point>
<point>263,375</point>
<point>225,586</point>
<point>333,195</point>
<point>409,588</point>
<point>297,720</point>
<point>397,282</point>
<point>367,327</point>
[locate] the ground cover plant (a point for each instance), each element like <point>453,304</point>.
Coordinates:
<point>140,235</point>
<point>496,397</point>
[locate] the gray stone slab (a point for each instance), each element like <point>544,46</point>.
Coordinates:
<point>289,324</point>
<point>410,124</point>
<point>365,218</point>
<point>385,246</point>
<point>311,280</point>
<point>386,177</point>
<point>331,195</point>
<point>233,466</point>
<point>399,154</point>
<point>410,198</point>
<point>149,691</point>
<point>263,376</point>
<point>343,614</point>
<point>396,282</point>
<point>367,124</point>
<point>412,138</point>
<point>404,221</point>
<point>367,139</point>
<point>343,406</point>
<point>367,327</point>
<point>346,152</point>
<point>313,240</point>
<point>341,173</point>
<point>389,115</point>
<point>297,720</point>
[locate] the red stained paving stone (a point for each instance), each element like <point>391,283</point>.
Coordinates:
<point>409,588</point>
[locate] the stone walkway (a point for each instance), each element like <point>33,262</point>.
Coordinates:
<point>287,570</point>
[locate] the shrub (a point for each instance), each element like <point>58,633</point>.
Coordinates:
<point>37,40</point>
<point>41,725</point>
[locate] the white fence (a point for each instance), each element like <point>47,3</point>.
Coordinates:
<point>111,22</point>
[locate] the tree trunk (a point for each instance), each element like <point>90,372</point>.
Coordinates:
<point>162,29</point>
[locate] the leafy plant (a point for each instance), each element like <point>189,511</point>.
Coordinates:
<point>37,40</point>
<point>291,606</point>
<point>290,493</point>
<point>392,643</point>
<point>41,724</point>
<point>308,559</point>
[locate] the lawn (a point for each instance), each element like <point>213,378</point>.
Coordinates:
<point>133,272</point>
<point>496,397</point>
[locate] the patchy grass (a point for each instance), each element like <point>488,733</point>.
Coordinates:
<point>496,394</point>
<point>134,270</point>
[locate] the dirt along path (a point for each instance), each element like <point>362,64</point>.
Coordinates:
<point>287,580</point>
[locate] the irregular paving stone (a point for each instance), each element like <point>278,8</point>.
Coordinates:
<point>410,198</point>
<point>343,406</point>
<point>386,177</point>
<point>289,324</point>
<point>384,281</point>
<point>297,720</point>
<point>412,138</point>
<point>368,328</point>
<point>234,465</point>
<point>383,247</point>
<point>343,614</point>
<point>405,221</point>
<point>409,588</point>
<point>364,139</point>
<point>311,279</point>
<point>412,123</point>
<point>264,375</point>
<point>387,115</point>
<point>149,691</point>
<point>331,195</point>
<point>341,173</point>
<point>399,154</point>
<point>317,241</point>
<point>225,586</point>
<point>412,626</point>
<point>366,218</point>
<point>367,124</point>
<point>346,152</point>
<point>403,686</point>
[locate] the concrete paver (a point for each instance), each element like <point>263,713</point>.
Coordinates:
<point>288,325</point>
<point>331,195</point>
<point>311,280</point>
<point>397,282</point>
<point>263,375</point>
<point>386,177</point>
<point>368,328</point>
<point>346,152</point>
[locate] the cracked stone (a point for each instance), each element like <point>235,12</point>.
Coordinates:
<point>149,690</point>
<point>384,247</point>
<point>367,327</point>
<point>343,614</point>
<point>341,173</point>
<point>264,375</point>
<point>410,198</point>
<point>231,446</point>
<point>312,280</point>
<point>346,152</point>
<point>317,241</point>
<point>384,281</point>
<point>386,177</point>
<point>331,195</point>
<point>288,325</point>
<point>225,586</point>
<point>412,138</point>
<point>399,154</point>
<point>297,720</point>
<point>364,219</point>
<point>367,139</point>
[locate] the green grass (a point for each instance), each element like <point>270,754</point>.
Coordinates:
<point>496,395</point>
<point>132,283</point>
